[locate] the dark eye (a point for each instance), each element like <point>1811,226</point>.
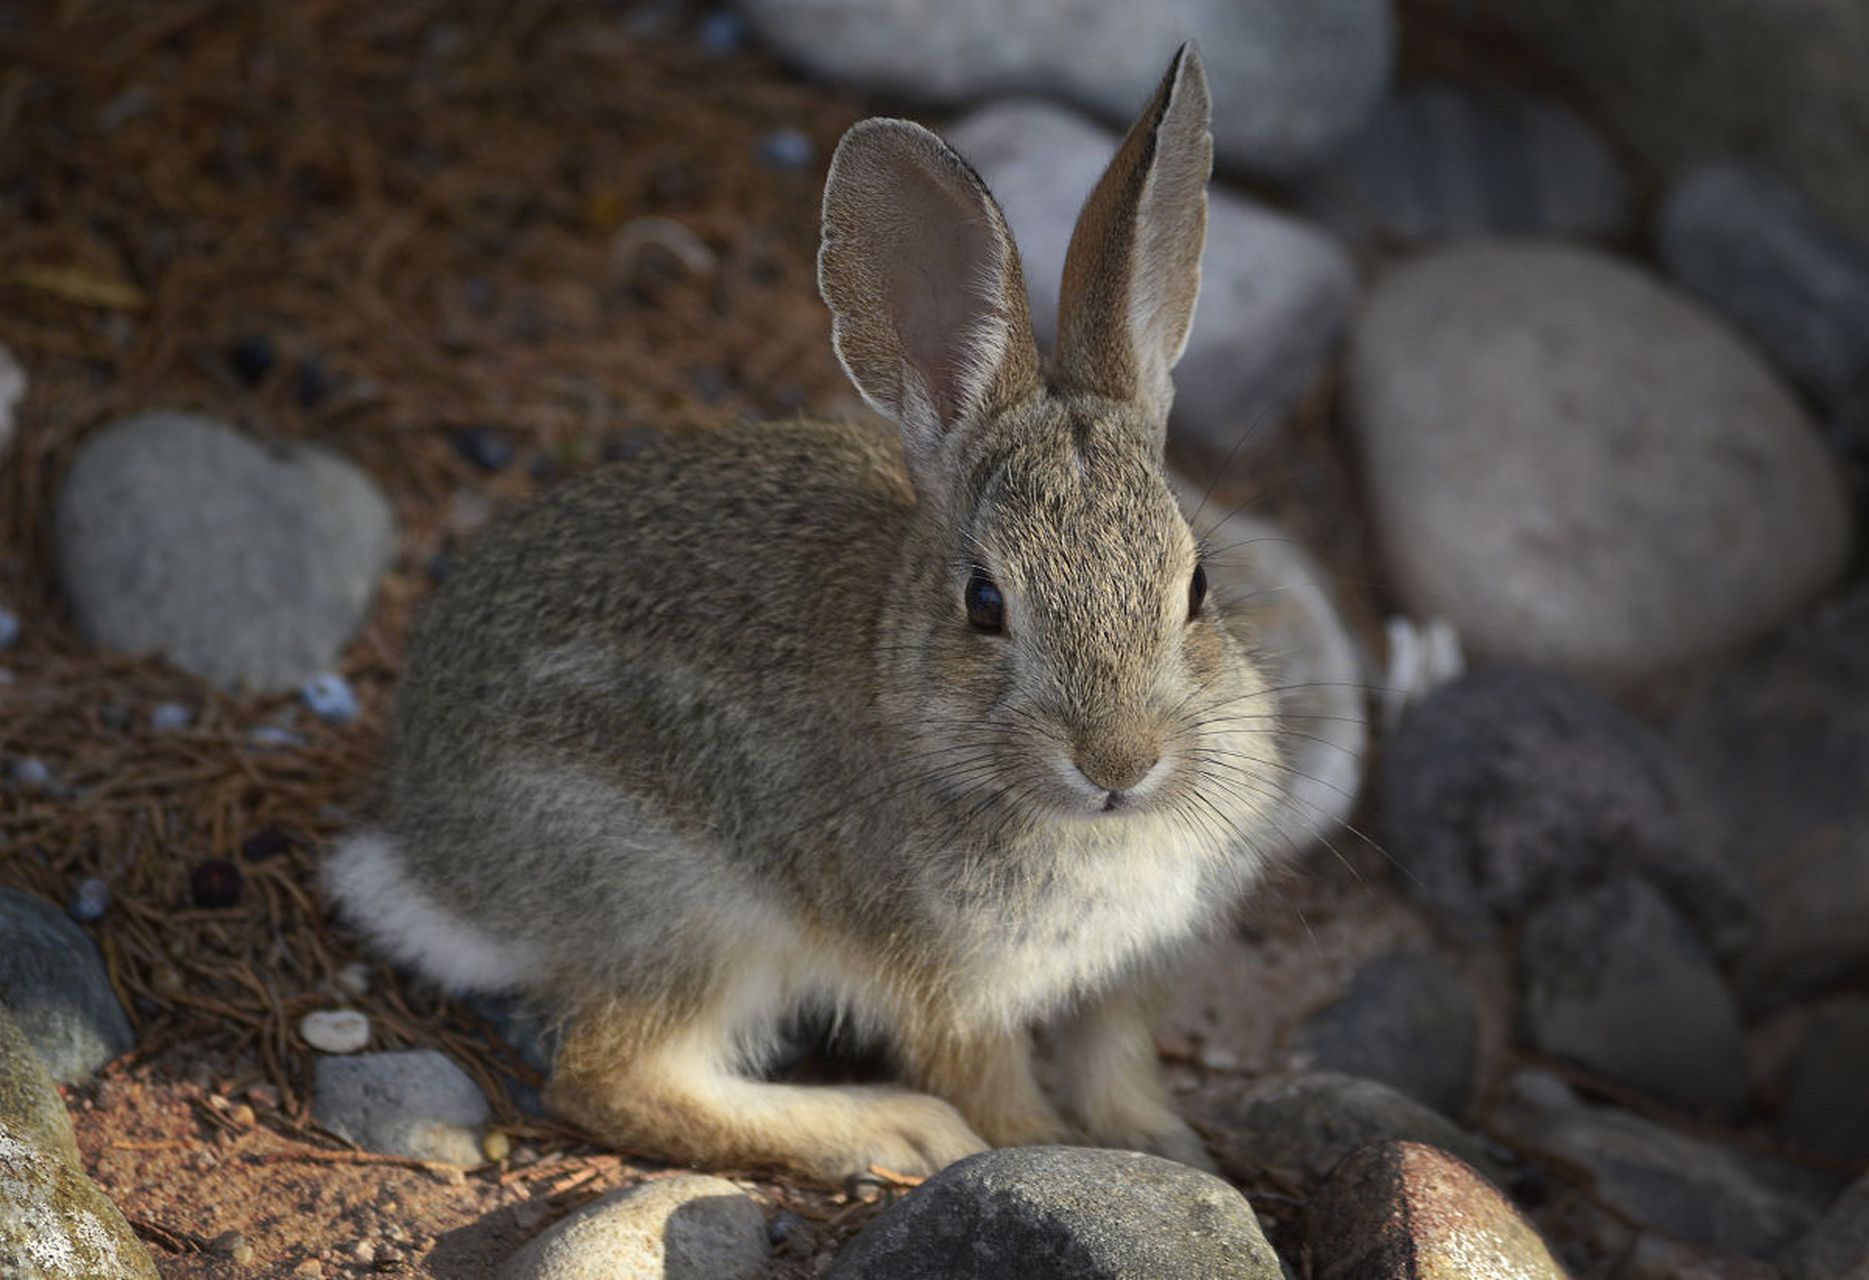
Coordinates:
<point>1197,589</point>
<point>986,610</point>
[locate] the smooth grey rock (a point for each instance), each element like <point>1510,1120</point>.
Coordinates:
<point>1408,1020</point>
<point>684,1228</point>
<point>1063,1213</point>
<point>1663,1179</point>
<point>1436,161</point>
<point>54,1222</point>
<point>1656,1256</point>
<point>1750,243</point>
<point>1508,787</point>
<point>1581,469</point>
<point>1270,587</point>
<point>416,1102</point>
<point>1275,294</point>
<point>1405,1211</point>
<point>1837,1248</point>
<point>1289,78</point>
<point>1614,980</point>
<point>1781,741</point>
<point>1304,1123</point>
<point>1816,896</point>
<point>1687,81</point>
<point>52,980</point>
<point>1824,1106</point>
<point>242,562</point>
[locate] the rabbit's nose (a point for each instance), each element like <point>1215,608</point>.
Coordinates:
<point>1117,768</point>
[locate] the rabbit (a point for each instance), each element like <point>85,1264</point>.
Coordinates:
<point>931,731</point>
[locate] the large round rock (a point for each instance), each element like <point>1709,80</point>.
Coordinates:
<point>1289,77</point>
<point>245,563</point>
<point>1063,1213</point>
<point>1580,469</point>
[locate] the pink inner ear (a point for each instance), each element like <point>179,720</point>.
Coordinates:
<point>942,279</point>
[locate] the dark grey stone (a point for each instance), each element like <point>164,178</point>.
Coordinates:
<point>1837,1248</point>
<point>1614,980</point>
<point>1781,744</point>
<point>244,563</point>
<point>52,980</point>
<point>413,1103</point>
<point>1508,787</point>
<point>1304,1123</point>
<point>1750,243</point>
<point>1408,1020</point>
<point>1657,1177</point>
<point>1824,1105</point>
<point>1436,161</point>
<point>1063,1213</point>
<point>1289,78</point>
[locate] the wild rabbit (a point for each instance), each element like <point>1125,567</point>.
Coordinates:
<point>935,734</point>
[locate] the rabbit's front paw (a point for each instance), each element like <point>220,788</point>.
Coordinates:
<point>904,1132</point>
<point>1162,1134</point>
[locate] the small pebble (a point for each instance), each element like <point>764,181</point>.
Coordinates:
<point>9,628</point>
<point>89,900</point>
<point>330,698</point>
<point>272,736</point>
<point>253,357</point>
<point>786,149</point>
<point>1214,1058</point>
<point>485,447</point>
<point>241,1114</point>
<point>496,1146</point>
<point>335,1030</point>
<point>225,1243</point>
<point>267,842</point>
<point>363,1251</point>
<point>720,32</point>
<point>30,771</point>
<point>215,883</point>
<point>170,717</point>
<point>309,1267</point>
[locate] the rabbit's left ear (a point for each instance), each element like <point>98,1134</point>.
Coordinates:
<point>1133,269</point>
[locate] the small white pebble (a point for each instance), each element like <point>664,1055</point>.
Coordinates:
<point>354,979</point>
<point>335,1030</point>
<point>170,717</point>
<point>31,771</point>
<point>269,736</point>
<point>330,698</point>
<point>1214,1058</point>
<point>9,628</point>
<point>496,1146</point>
<point>90,900</point>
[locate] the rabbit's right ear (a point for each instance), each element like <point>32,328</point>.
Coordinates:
<point>928,310</point>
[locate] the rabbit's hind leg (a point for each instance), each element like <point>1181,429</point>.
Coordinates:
<point>672,1085</point>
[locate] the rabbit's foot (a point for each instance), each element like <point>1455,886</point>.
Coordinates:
<point>988,1076</point>
<point>1161,1134</point>
<point>673,1093</point>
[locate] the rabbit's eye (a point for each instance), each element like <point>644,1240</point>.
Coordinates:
<point>1197,590</point>
<point>986,609</point>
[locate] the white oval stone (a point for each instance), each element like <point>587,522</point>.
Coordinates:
<point>335,1030</point>
<point>1581,469</point>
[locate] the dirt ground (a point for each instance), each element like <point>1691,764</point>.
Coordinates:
<point>548,218</point>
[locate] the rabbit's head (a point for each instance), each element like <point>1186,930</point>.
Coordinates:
<point>1052,650</point>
